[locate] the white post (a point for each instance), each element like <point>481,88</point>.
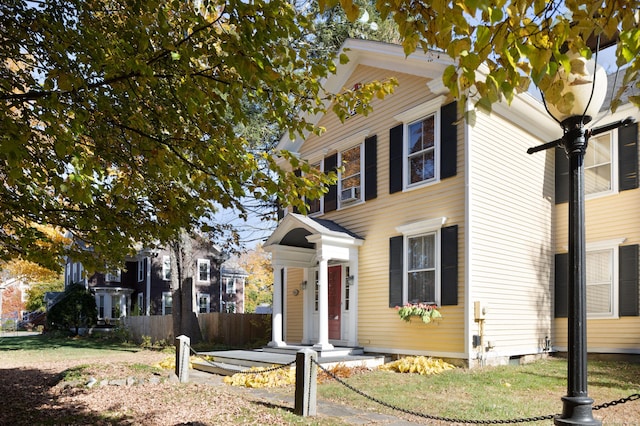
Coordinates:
<point>323,306</point>
<point>182,358</point>
<point>276,315</point>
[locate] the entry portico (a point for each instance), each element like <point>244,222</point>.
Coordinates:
<point>328,255</point>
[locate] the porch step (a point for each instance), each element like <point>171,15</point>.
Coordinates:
<point>337,351</point>
<point>220,368</point>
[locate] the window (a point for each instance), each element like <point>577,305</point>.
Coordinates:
<point>347,289</point>
<point>204,270</point>
<point>140,270</point>
<point>599,265</point>
<point>115,306</point>
<point>316,291</point>
<point>113,277</point>
<point>597,164</point>
<point>421,269</point>
<point>140,308</point>
<point>423,148</point>
<point>423,264</point>
<point>100,305</point>
<point>167,303</point>
<point>612,272</point>
<point>350,178</point>
<point>421,151</point>
<point>166,268</point>
<point>231,286</point>
<point>230,307</point>
<point>204,301</point>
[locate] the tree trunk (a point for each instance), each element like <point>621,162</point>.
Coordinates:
<point>185,321</point>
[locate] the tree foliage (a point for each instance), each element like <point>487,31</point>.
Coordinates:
<point>76,309</point>
<point>259,283</point>
<point>500,46</point>
<point>119,119</point>
<point>37,291</point>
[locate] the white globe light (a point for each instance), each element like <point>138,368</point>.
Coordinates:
<point>581,84</point>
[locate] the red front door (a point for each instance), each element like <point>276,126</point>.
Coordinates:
<point>335,298</point>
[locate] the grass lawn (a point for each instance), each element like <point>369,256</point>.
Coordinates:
<point>504,392</point>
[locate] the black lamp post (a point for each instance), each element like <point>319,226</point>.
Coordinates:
<point>589,90</point>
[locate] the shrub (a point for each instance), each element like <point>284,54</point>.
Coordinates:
<point>76,309</point>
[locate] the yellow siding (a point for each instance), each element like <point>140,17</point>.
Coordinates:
<point>510,207</point>
<point>609,217</point>
<point>379,326</point>
<point>293,306</point>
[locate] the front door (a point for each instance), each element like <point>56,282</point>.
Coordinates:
<point>335,296</point>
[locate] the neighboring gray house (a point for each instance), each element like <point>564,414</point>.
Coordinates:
<point>233,279</point>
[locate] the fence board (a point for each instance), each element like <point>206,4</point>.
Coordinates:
<point>234,330</point>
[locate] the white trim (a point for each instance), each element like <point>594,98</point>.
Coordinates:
<point>439,354</point>
<point>427,225</point>
<point>468,238</point>
<point>604,244</point>
<point>420,111</point>
<point>349,141</point>
<point>202,262</point>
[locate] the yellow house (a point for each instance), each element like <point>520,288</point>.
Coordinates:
<point>433,209</point>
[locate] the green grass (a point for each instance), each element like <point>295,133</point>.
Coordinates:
<point>504,392</point>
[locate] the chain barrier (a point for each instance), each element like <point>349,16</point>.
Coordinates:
<point>266,370</point>
<point>468,421</point>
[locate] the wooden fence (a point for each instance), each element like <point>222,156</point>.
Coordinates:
<point>235,330</point>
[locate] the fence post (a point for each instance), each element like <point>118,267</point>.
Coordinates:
<point>182,358</point>
<point>306,383</point>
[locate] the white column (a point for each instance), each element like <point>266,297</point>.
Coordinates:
<point>147,308</point>
<point>276,315</point>
<point>323,306</point>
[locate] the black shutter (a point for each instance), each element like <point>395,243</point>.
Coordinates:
<point>449,266</point>
<point>370,168</point>
<point>628,157</point>
<point>395,271</point>
<point>562,176</point>
<point>561,285</point>
<point>448,140</point>
<point>297,173</point>
<point>395,158</point>
<point>331,197</point>
<point>628,291</point>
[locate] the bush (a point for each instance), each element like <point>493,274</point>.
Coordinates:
<point>76,309</point>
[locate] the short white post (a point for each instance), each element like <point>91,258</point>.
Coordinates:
<point>306,383</point>
<point>183,343</point>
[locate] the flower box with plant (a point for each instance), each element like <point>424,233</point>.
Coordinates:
<point>426,312</point>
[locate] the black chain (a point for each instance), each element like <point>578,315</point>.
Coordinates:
<point>265,370</point>
<point>632,397</point>
<point>453,420</point>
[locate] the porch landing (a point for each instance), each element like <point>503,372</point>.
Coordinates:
<point>233,361</point>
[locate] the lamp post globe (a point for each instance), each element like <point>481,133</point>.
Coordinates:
<point>587,84</point>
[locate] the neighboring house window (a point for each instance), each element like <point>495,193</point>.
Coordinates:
<point>611,280</point>
<point>140,306</point>
<point>204,301</point>
<point>112,277</point>
<point>140,270</point>
<point>100,305</point>
<point>166,268</point>
<point>423,149</point>
<point>423,264</point>
<point>230,307</point>
<point>350,178</point>
<point>167,303</point>
<point>231,286</point>
<point>204,266</point>
<point>610,164</point>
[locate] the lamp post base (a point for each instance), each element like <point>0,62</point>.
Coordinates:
<point>577,411</point>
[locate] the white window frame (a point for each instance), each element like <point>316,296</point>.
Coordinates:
<point>613,140</point>
<point>612,246</point>
<point>140,270</point>
<point>100,298</point>
<point>412,116</point>
<point>419,229</point>
<point>230,286</point>
<point>166,295</point>
<point>206,297</point>
<point>341,177</point>
<point>199,264</point>
<point>166,268</point>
